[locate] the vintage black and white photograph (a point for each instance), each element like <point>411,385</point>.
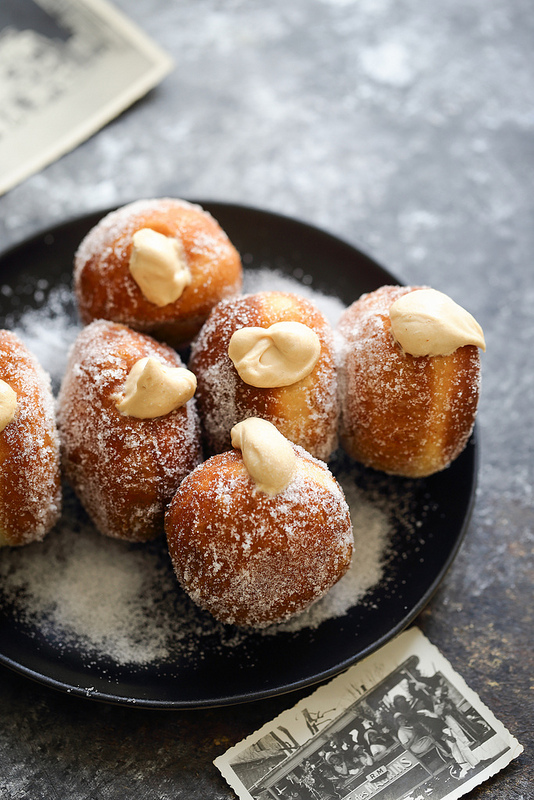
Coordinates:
<point>399,726</point>
<point>66,69</point>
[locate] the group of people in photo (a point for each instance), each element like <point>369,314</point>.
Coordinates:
<point>418,714</point>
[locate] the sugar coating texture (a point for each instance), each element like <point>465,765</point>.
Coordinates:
<point>124,470</point>
<point>253,559</point>
<point>401,414</point>
<point>30,483</point>
<point>105,289</point>
<point>111,600</point>
<point>305,412</point>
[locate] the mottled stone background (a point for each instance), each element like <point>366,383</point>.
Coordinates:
<point>406,128</point>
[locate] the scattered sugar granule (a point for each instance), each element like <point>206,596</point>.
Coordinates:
<point>121,601</point>
<point>372,529</point>
<point>109,598</point>
<point>49,331</point>
<point>265,280</point>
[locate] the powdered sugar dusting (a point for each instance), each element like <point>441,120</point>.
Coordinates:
<point>49,331</point>
<point>121,601</point>
<point>401,414</point>
<point>30,497</point>
<point>105,288</point>
<point>119,225</point>
<point>251,558</point>
<point>94,594</point>
<point>265,279</point>
<point>123,469</point>
<point>305,412</point>
<point>371,527</point>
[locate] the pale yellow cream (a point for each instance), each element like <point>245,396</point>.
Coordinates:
<point>426,322</point>
<point>268,456</point>
<point>280,355</point>
<point>153,390</point>
<point>8,404</point>
<point>158,266</point>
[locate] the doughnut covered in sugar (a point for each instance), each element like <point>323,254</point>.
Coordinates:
<point>402,414</point>
<point>254,559</point>
<point>306,412</point>
<point>106,289</point>
<point>30,481</point>
<point>124,469</point>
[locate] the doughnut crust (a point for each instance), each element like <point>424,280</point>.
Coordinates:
<point>250,558</point>
<point>105,289</point>
<point>30,480</point>
<point>123,469</point>
<point>405,415</point>
<point>305,412</point>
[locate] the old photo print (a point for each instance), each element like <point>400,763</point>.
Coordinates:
<point>66,69</point>
<point>400,725</point>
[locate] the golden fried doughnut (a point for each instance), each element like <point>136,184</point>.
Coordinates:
<point>123,468</point>
<point>402,414</point>
<point>251,558</point>
<point>306,412</point>
<point>30,480</point>
<point>106,289</point>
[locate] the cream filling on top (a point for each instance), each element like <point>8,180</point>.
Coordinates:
<point>8,404</point>
<point>426,322</point>
<point>268,456</point>
<point>153,390</point>
<point>280,355</point>
<point>159,267</point>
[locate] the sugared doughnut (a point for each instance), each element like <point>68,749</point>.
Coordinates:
<point>158,266</point>
<point>270,355</point>
<point>30,480</point>
<point>129,431</point>
<point>259,533</point>
<point>409,379</point>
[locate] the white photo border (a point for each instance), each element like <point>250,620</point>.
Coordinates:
<point>353,738</point>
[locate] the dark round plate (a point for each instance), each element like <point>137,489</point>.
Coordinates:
<point>428,518</point>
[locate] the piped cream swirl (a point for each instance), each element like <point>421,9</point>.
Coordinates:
<point>153,390</point>
<point>268,456</point>
<point>158,266</point>
<point>8,404</point>
<point>280,355</point>
<point>426,322</point>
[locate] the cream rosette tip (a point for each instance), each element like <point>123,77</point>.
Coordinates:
<point>268,456</point>
<point>158,265</point>
<point>426,322</point>
<point>153,390</point>
<point>280,355</point>
<point>8,404</point>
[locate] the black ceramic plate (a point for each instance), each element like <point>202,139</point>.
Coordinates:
<point>212,664</point>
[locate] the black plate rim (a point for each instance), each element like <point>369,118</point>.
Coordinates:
<point>209,205</point>
<point>220,702</point>
<point>144,703</point>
